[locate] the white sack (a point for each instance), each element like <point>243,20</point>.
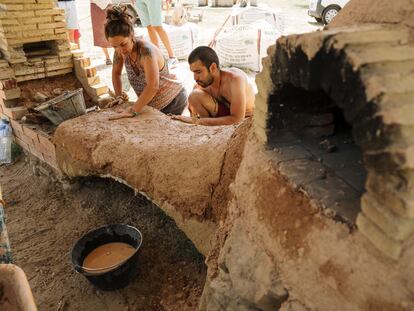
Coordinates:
<point>244,46</point>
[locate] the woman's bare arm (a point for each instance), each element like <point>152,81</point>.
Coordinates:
<point>116,73</point>
<point>152,78</point>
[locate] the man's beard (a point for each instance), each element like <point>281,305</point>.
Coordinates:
<point>209,81</point>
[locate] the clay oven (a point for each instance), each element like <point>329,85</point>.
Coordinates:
<point>334,108</point>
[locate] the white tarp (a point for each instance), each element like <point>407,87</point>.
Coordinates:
<point>182,38</point>
<point>244,46</point>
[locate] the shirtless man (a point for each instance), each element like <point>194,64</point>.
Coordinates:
<point>221,96</point>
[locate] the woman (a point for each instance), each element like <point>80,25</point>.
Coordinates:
<point>146,68</point>
<point>98,13</point>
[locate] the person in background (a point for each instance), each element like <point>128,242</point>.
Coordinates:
<point>149,12</point>
<point>98,17</point>
<point>221,96</point>
<point>146,67</point>
<point>71,17</point>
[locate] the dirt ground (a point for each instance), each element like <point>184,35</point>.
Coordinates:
<point>44,221</point>
<point>46,86</point>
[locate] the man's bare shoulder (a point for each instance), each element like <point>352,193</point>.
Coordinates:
<point>234,75</point>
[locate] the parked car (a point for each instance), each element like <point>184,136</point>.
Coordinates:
<point>325,10</point>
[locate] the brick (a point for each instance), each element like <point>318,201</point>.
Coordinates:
<point>39,6</point>
<point>51,161</point>
<point>59,18</point>
<point>31,133</point>
<point>15,113</point>
<point>378,238</point>
<point>10,22</point>
<point>94,80</point>
<point>18,1</point>
<point>59,66</point>
<point>389,160</point>
<point>18,14</point>
<point>393,225</point>
<point>8,29</point>
<point>90,71</point>
<point>46,146</point>
<point>8,84</point>
<point>6,73</point>
<point>64,53</point>
<point>55,11</point>
<point>33,150</point>
<point>14,7</point>
<point>83,61</point>
<point>100,89</point>
<point>10,94</point>
<point>22,144</point>
<point>74,46</point>
<point>395,192</point>
<point>319,131</point>
<point>37,20</point>
<point>14,42</point>
<point>51,25</point>
<point>16,126</point>
<point>61,31</point>
<point>78,53</point>
<point>11,103</point>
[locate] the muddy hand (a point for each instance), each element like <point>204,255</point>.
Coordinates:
<point>122,115</point>
<point>118,100</point>
<point>115,102</point>
<point>184,119</point>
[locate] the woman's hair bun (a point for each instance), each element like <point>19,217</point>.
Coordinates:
<point>118,13</point>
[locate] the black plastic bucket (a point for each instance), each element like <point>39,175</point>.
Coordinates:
<point>114,277</point>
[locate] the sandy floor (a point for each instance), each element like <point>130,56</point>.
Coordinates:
<point>44,222</point>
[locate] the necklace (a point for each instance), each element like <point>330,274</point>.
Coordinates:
<point>135,63</point>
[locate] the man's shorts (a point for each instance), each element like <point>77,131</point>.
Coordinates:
<point>71,15</point>
<point>149,12</point>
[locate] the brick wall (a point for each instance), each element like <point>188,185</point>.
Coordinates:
<point>33,21</point>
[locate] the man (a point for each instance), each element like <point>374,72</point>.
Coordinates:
<point>221,96</point>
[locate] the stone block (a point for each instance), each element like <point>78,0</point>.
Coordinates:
<point>389,160</point>
<point>394,190</point>
<point>319,131</point>
<point>100,89</point>
<point>334,193</point>
<point>90,71</point>
<point>83,61</point>
<point>15,113</point>
<point>11,94</point>
<point>378,238</point>
<point>78,53</point>
<point>393,225</point>
<point>6,74</point>
<point>303,171</point>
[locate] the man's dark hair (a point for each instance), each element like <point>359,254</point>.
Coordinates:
<point>205,55</point>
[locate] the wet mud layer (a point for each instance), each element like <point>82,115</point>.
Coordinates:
<point>45,221</point>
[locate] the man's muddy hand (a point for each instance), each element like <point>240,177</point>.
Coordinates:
<point>190,120</point>
<point>122,115</point>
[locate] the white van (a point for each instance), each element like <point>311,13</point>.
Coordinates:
<point>325,10</point>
